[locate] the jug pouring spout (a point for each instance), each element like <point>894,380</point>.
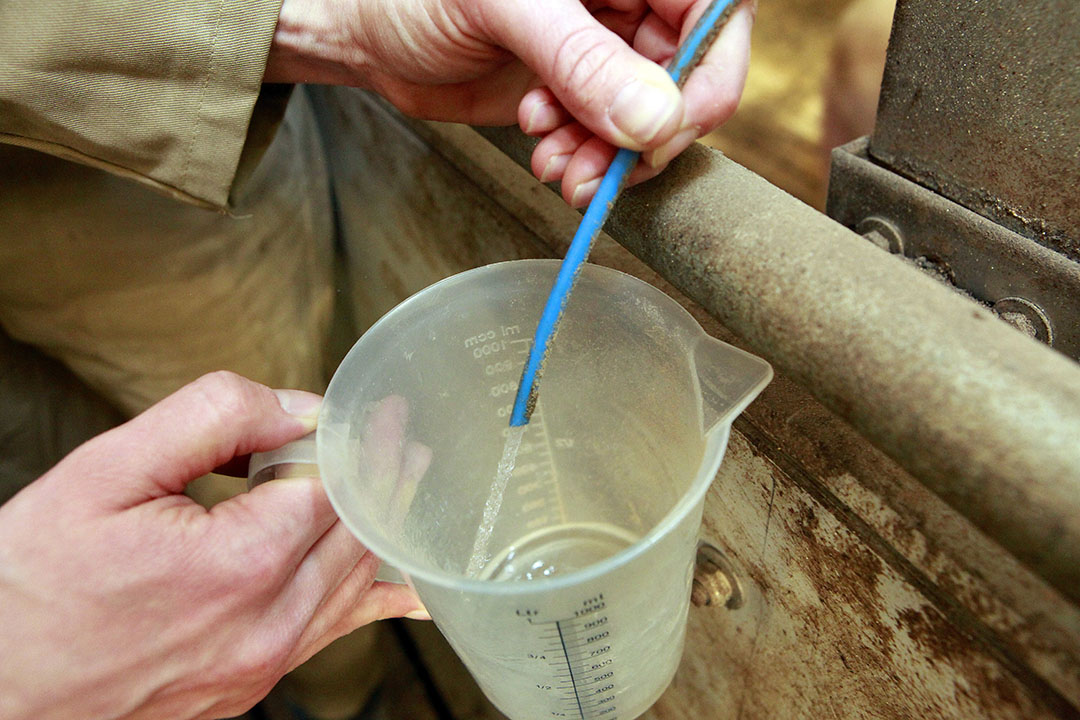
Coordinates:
<point>728,380</point>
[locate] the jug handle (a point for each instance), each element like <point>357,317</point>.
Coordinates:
<point>728,380</point>
<point>299,458</point>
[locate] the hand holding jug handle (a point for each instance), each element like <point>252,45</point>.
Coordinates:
<point>300,459</point>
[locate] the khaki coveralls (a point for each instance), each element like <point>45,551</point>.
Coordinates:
<point>162,215</point>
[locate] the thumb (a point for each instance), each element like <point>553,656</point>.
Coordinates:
<point>188,434</point>
<point>617,93</point>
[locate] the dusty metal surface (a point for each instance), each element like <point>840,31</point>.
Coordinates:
<point>991,263</point>
<point>984,416</point>
<point>981,102</point>
<point>832,625</point>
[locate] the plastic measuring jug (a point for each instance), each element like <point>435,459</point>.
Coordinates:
<point>581,610</point>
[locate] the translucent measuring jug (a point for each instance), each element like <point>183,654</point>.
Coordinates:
<point>581,610</point>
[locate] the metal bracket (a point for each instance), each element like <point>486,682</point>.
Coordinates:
<point>1030,286</point>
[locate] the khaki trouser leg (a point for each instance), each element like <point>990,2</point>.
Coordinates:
<point>45,413</point>
<point>138,295</point>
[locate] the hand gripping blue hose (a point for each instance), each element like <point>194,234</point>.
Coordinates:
<point>686,59</point>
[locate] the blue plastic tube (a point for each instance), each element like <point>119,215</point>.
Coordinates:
<point>686,58</point>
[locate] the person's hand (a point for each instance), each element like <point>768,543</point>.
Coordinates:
<point>584,76</point>
<point>123,598</point>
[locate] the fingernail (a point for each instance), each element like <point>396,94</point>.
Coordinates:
<point>302,405</point>
<point>542,118</point>
<point>642,108</point>
<point>666,152</point>
<point>421,614</point>
<point>555,167</point>
<point>584,192</point>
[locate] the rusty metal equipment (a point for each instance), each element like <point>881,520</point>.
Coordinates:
<point>981,103</point>
<point>973,167</point>
<point>1029,285</point>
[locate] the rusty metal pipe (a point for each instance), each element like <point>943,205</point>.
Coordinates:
<point>986,417</point>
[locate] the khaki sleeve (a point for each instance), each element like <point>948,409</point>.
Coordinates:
<point>162,92</point>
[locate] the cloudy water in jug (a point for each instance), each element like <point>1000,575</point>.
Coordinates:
<point>557,550</point>
<point>551,550</point>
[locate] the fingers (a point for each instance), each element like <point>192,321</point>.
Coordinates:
<point>713,89</point>
<point>656,39</point>
<point>334,557</point>
<point>332,585</point>
<point>540,112</point>
<point>416,460</point>
<point>380,601</point>
<point>570,153</point>
<point>188,434</point>
<point>382,443</point>
<point>391,464</point>
<point>579,159</point>
<point>554,152</point>
<point>597,77</point>
<point>357,602</point>
<point>286,517</point>
<point>585,170</point>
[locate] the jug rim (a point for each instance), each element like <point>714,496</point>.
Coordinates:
<point>389,553</point>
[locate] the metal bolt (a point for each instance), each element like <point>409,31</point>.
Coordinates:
<point>1025,316</point>
<point>715,583</point>
<point>882,233</point>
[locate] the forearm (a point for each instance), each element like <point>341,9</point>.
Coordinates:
<point>312,43</point>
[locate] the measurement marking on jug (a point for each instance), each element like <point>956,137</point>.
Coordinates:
<point>569,668</point>
<point>541,435</point>
<point>579,647</point>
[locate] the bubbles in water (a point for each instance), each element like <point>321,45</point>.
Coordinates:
<point>480,556</point>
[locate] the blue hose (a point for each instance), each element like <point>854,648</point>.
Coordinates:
<point>686,58</point>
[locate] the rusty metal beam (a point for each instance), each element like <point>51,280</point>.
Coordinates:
<point>980,102</point>
<point>988,261</point>
<point>986,417</point>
